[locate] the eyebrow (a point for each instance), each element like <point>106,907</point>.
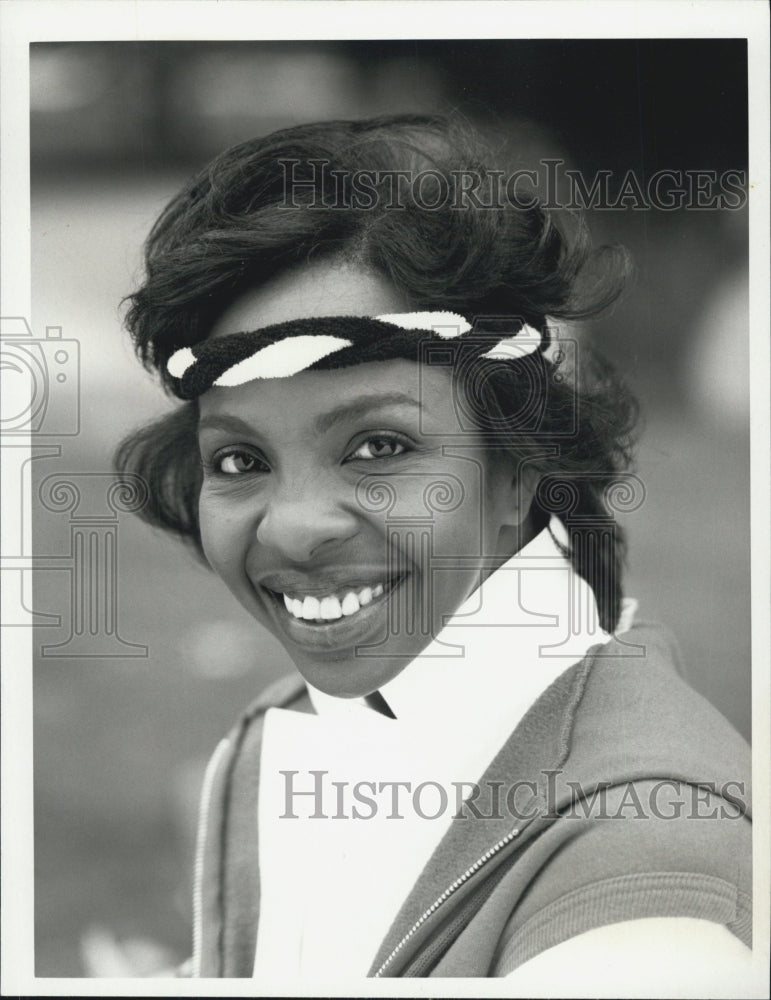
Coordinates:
<point>353,409</point>
<point>361,406</point>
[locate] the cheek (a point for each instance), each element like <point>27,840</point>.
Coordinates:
<point>459,533</point>
<point>225,538</point>
<point>459,509</point>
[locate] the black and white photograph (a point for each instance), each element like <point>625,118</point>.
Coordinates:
<point>385,444</point>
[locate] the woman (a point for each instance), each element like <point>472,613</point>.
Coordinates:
<point>400,469</point>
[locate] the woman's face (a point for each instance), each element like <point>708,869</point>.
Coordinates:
<point>346,510</point>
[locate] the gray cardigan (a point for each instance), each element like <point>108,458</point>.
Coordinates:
<point>633,801</point>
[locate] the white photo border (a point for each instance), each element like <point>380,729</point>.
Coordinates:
<point>23,22</point>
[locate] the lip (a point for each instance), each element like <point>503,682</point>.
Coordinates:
<point>337,635</point>
<point>321,585</point>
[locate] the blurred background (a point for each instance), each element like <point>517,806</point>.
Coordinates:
<point>125,722</point>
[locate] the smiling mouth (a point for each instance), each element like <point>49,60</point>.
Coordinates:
<point>347,603</point>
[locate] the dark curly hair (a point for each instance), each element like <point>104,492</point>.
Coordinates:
<point>233,227</point>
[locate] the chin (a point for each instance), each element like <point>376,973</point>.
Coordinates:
<point>357,651</point>
<point>351,675</point>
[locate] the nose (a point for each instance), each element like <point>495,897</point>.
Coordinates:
<point>301,520</point>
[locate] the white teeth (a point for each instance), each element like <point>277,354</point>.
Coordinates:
<point>350,604</point>
<point>311,608</point>
<point>330,608</point>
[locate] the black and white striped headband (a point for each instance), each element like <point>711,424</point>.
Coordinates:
<point>325,342</point>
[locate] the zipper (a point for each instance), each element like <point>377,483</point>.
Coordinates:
<point>428,956</point>
<point>461,880</point>
<point>200,851</point>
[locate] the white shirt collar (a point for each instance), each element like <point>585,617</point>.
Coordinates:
<point>527,622</point>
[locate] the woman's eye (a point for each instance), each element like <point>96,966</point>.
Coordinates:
<point>236,463</point>
<point>378,447</point>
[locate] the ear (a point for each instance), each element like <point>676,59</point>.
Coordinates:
<point>521,489</point>
<point>516,524</point>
